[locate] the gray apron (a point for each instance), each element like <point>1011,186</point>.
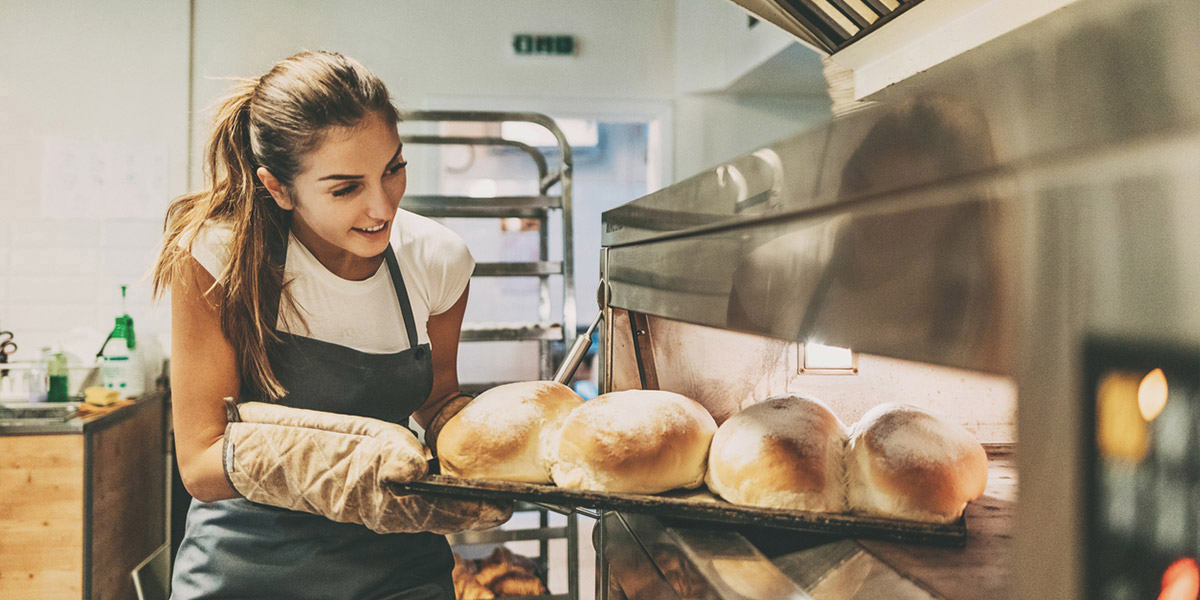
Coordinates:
<point>240,549</point>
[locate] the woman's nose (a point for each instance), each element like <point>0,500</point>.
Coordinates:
<point>382,203</point>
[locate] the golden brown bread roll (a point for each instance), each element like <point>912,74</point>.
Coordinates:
<point>466,587</point>
<point>905,463</point>
<point>507,432</point>
<point>634,441</point>
<point>507,574</point>
<point>784,452</point>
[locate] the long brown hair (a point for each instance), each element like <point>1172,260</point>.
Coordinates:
<point>271,121</point>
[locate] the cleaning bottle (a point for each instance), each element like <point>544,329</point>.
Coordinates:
<point>56,369</point>
<point>119,369</point>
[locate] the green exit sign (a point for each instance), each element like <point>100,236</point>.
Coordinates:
<point>531,44</point>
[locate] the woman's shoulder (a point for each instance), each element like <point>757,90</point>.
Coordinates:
<point>210,245</point>
<point>423,240</point>
<point>436,256</point>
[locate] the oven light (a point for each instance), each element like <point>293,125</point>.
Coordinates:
<point>1121,431</point>
<point>827,359</point>
<point>1152,394</point>
<point>1181,581</point>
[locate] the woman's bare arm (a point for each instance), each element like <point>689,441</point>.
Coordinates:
<point>444,331</point>
<point>203,372</point>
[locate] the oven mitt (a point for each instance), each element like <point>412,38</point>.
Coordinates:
<point>443,416</point>
<point>338,466</point>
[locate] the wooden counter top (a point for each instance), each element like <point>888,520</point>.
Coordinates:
<point>88,419</point>
<point>84,502</point>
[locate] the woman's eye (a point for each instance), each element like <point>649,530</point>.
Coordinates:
<point>397,167</point>
<point>344,191</point>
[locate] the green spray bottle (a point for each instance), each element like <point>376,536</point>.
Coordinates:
<point>119,368</point>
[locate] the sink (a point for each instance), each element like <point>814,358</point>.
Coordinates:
<point>30,413</point>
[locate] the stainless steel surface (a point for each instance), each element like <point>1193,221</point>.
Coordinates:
<point>699,506</point>
<point>845,570</point>
<point>827,25</point>
<point>549,267</point>
<point>503,332</point>
<point>650,560</point>
<point>989,214</point>
<point>526,207</point>
<point>496,536</point>
<point>545,331</point>
<point>578,351</point>
<point>450,140</point>
<point>563,176</point>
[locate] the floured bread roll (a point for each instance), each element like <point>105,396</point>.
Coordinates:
<point>784,452</point>
<point>643,441</point>
<point>905,463</point>
<point>507,432</point>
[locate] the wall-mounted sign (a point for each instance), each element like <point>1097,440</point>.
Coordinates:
<point>530,44</point>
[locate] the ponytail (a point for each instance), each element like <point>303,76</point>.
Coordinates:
<point>247,293</point>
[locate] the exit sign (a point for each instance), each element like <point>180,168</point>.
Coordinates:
<point>530,44</point>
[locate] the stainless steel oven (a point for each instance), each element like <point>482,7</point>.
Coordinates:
<point>991,239</point>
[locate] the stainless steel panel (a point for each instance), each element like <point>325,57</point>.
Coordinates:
<point>651,560</point>
<point>1056,201</point>
<point>924,277</point>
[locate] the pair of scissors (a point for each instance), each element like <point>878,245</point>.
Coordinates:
<point>7,348</point>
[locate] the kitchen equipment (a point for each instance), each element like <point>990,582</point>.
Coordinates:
<point>973,231</point>
<point>7,348</point>
<point>576,354</point>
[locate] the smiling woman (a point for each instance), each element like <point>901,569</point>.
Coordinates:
<point>302,291</point>
<point>339,212</point>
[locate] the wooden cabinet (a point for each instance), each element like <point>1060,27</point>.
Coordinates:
<point>82,504</point>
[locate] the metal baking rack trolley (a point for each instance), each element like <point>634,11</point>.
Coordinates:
<point>547,331</point>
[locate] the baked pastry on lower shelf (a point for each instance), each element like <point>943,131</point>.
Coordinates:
<point>905,463</point>
<point>503,574</point>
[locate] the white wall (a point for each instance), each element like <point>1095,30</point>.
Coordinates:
<point>118,72</point>
<point>426,48</point>
<point>738,88</point>
<point>931,33</point>
<point>93,73</point>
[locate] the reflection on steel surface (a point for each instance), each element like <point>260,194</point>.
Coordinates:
<point>653,561</point>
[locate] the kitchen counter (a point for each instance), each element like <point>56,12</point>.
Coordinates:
<point>89,420</point>
<point>84,501</point>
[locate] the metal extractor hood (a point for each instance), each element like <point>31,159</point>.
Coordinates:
<point>828,25</point>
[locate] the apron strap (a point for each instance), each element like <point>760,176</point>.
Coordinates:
<point>410,324</point>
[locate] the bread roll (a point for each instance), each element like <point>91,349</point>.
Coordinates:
<point>634,441</point>
<point>507,432</point>
<point>784,452</point>
<point>905,463</point>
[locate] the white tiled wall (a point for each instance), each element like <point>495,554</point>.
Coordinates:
<point>116,75</point>
<point>60,281</point>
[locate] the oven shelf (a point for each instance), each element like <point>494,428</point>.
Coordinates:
<point>700,505</point>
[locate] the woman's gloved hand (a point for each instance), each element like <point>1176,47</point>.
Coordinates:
<point>338,466</point>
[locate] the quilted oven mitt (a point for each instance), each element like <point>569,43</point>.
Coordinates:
<point>338,466</point>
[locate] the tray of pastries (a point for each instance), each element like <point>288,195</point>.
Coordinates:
<point>899,473</point>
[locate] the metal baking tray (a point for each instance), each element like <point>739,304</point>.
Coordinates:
<point>699,505</point>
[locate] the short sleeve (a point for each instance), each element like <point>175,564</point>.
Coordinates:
<point>456,267</point>
<point>210,247</point>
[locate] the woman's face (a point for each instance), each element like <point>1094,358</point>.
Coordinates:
<point>344,200</point>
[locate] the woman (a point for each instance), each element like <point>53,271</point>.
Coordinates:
<point>301,290</point>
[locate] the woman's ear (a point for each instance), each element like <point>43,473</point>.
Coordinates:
<point>276,189</point>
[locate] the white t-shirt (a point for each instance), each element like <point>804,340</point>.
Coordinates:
<point>365,315</point>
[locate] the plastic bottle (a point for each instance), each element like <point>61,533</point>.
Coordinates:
<point>119,365</point>
<point>36,377</point>
<point>56,369</point>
